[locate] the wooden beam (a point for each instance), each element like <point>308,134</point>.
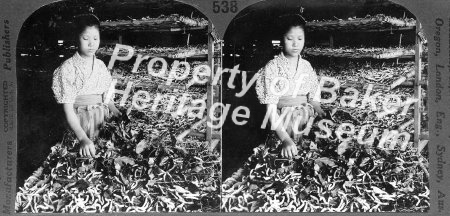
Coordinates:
<point>412,83</point>
<point>214,144</point>
<point>196,134</point>
<point>424,135</point>
<point>422,145</point>
<point>210,87</point>
<point>417,87</point>
<point>331,41</point>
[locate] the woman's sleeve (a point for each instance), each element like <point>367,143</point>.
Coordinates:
<point>266,75</point>
<point>63,85</point>
<point>314,90</point>
<point>106,76</point>
<point>317,95</point>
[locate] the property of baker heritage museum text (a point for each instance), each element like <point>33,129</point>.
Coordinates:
<point>141,107</point>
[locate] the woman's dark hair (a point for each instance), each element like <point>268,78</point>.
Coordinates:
<point>286,22</point>
<point>82,21</point>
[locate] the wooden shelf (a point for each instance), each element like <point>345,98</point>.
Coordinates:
<point>172,23</point>
<point>199,54</point>
<point>147,84</point>
<point>358,53</point>
<point>153,29</point>
<point>368,24</point>
<point>385,87</point>
<point>32,70</point>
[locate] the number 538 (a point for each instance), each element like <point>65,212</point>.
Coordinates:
<point>225,6</point>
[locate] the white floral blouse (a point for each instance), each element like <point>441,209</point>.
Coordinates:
<point>75,77</point>
<point>304,79</point>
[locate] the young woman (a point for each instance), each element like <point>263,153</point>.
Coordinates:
<point>289,86</point>
<point>80,84</point>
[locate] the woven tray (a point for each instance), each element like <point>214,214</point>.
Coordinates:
<point>368,23</point>
<point>164,52</point>
<point>376,53</point>
<point>164,23</point>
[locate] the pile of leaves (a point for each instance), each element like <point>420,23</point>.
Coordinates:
<point>330,175</point>
<point>140,167</point>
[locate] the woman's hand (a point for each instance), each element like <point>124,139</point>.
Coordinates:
<point>116,112</point>
<point>318,109</point>
<point>289,149</point>
<point>87,148</point>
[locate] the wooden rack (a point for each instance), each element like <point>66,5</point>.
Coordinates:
<point>372,24</point>
<point>160,24</point>
<point>377,53</point>
<point>368,24</point>
<point>148,52</point>
<point>214,57</point>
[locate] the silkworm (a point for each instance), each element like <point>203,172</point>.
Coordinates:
<point>265,206</point>
<point>239,209</point>
<point>90,209</point>
<point>303,206</point>
<point>267,171</point>
<point>270,192</point>
<point>191,197</point>
<point>288,194</point>
<point>181,199</point>
<point>86,199</point>
<point>341,205</point>
<point>179,208</point>
<point>240,200</point>
<point>127,198</point>
<point>331,186</point>
<point>238,190</point>
<point>108,203</point>
<point>289,207</point>
<point>40,190</point>
<point>247,196</point>
<point>286,177</point>
<point>43,207</point>
<point>156,207</point>
<point>275,199</point>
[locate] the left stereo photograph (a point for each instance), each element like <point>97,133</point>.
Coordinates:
<point>113,105</point>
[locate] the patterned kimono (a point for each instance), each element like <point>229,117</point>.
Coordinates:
<point>84,85</point>
<point>291,90</point>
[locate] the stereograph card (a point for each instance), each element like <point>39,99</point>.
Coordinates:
<point>225,107</point>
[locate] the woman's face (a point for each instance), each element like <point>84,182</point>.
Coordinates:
<point>294,41</point>
<point>89,41</point>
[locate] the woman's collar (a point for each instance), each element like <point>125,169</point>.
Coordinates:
<point>284,59</point>
<point>77,57</point>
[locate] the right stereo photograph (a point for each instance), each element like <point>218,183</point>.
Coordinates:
<point>335,94</point>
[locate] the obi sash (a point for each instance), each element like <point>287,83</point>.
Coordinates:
<point>289,101</point>
<point>86,100</point>
<point>91,112</point>
<point>298,113</point>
